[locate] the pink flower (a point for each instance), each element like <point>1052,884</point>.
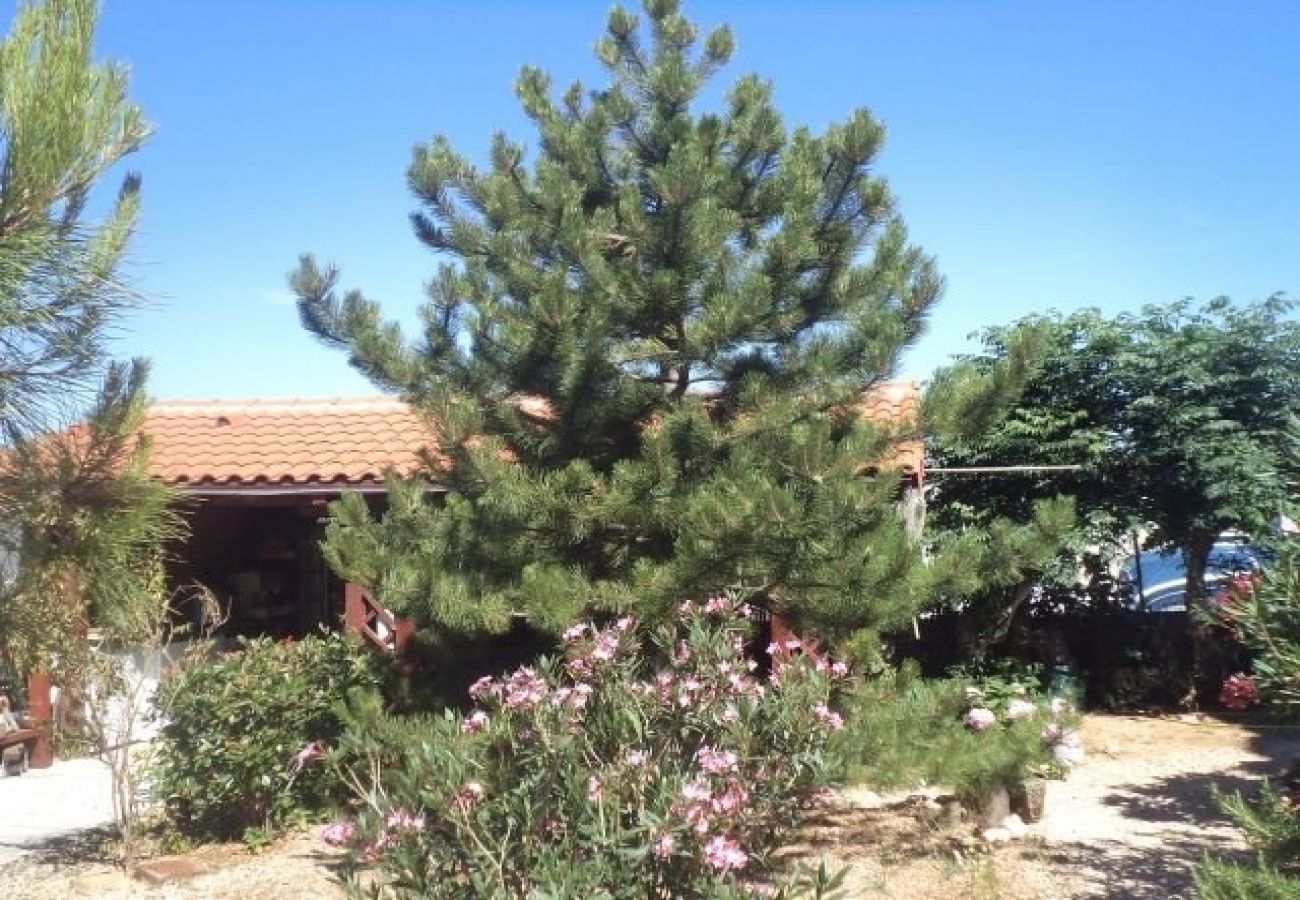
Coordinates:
<point>524,689</point>
<point>575,633</point>
<point>595,790</point>
<point>625,623</point>
<point>475,722</point>
<point>485,685</point>
<point>716,605</point>
<point>980,719</point>
<point>665,846</point>
<point>686,610</point>
<point>636,759</point>
<point>730,800</point>
<point>401,820</point>
<point>1067,756</point>
<point>723,854</point>
<point>469,796</point>
<point>337,834</point>
<point>697,791</point>
<point>715,762</point>
<point>308,754</point>
<point>840,670</point>
<point>828,717</point>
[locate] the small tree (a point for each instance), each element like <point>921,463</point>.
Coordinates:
<point>82,525</point>
<point>645,359</point>
<point>1175,417</point>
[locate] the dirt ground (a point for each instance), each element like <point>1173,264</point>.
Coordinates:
<point>1129,823</point>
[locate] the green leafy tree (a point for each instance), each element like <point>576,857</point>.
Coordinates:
<point>645,354</point>
<point>82,523</point>
<point>1175,415</point>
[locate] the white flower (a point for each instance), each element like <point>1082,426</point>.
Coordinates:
<point>1020,709</point>
<point>980,718</point>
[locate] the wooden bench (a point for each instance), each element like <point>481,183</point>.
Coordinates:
<point>15,748</point>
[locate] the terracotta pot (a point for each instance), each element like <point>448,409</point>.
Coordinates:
<point>1028,797</point>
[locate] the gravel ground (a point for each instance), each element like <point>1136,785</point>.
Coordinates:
<point>1129,823</point>
<point>47,804</point>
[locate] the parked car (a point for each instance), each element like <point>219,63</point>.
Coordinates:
<point>1161,583</point>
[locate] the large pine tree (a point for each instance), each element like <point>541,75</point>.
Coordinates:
<point>644,356</point>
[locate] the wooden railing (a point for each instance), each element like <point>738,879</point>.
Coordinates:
<point>377,625</point>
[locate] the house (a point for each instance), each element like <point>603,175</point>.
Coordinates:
<point>257,476</point>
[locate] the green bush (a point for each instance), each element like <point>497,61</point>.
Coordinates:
<point>242,731</point>
<point>1271,827</point>
<point>1219,880</point>
<point>616,772</point>
<point>903,730</point>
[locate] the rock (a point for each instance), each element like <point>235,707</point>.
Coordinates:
<point>1015,826</point>
<point>996,835</point>
<point>170,868</point>
<point>990,807</point>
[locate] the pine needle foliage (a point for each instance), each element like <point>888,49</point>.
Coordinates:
<point>644,353</point>
<point>65,121</point>
<point>82,526</point>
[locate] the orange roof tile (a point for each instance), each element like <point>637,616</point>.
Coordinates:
<point>232,443</point>
<point>898,404</point>
<point>290,442</point>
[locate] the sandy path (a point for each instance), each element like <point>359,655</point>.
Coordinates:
<point>1134,820</point>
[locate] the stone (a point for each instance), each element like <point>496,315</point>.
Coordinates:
<point>996,835</point>
<point>170,868</point>
<point>1015,826</point>
<point>990,807</point>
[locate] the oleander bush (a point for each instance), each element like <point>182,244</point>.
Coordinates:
<point>637,764</point>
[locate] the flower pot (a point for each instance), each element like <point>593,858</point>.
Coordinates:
<point>1028,797</point>
<point>989,808</point>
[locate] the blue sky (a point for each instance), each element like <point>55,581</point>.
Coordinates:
<point>1051,154</point>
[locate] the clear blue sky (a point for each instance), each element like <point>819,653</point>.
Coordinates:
<point>1051,154</point>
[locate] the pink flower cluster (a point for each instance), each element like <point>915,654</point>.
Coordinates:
<point>308,755</point>
<point>980,718</point>
<point>1238,692</point>
<point>715,797</point>
<point>724,855</point>
<point>337,834</point>
<point>469,796</point>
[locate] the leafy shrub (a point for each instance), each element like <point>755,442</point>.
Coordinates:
<point>241,730</point>
<point>971,738</point>
<point>614,771</point>
<point>1271,827</point>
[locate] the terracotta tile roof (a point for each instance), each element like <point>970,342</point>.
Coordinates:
<point>286,442</point>
<point>236,443</point>
<point>898,403</point>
